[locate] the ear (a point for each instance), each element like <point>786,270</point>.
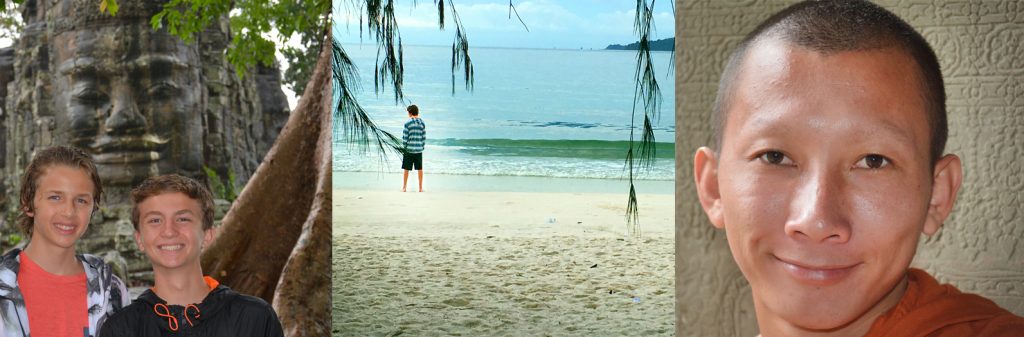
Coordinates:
<point>705,172</point>
<point>28,212</point>
<point>208,236</point>
<point>138,241</point>
<point>945,184</point>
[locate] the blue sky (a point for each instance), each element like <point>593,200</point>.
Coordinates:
<point>553,24</point>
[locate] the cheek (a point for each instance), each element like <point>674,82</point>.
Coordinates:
<point>896,205</point>
<point>755,210</point>
<point>755,202</point>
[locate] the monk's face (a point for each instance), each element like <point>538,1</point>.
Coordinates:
<point>823,183</point>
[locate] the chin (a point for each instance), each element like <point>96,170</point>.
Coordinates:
<point>819,312</point>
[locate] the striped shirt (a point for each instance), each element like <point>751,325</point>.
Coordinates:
<point>414,136</point>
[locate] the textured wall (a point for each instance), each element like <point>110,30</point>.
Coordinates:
<point>981,247</point>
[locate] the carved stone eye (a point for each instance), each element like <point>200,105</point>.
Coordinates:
<point>90,95</point>
<point>162,90</point>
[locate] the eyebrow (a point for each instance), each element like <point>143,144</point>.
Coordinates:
<point>77,65</point>
<point>64,193</point>
<point>152,59</point>
<point>184,211</point>
<point>763,123</point>
<point>88,64</point>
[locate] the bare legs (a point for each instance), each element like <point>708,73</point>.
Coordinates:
<point>405,179</point>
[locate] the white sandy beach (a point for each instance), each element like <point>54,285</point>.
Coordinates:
<point>462,262</point>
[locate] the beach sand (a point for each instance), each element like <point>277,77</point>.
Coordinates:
<point>487,263</point>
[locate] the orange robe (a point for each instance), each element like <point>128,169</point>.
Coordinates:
<point>939,310</point>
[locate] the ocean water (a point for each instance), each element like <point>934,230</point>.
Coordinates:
<point>532,112</point>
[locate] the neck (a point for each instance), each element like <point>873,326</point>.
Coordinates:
<point>53,259</point>
<point>772,325</point>
<point>181,286</point>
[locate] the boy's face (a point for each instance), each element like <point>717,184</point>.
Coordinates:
<point>171,231</point>
<point>62,206</point>
<point>824,182</point>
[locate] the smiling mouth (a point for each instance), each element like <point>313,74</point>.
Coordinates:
<point>818,275</point>
<point>65,229</point>
<point>171,248</point>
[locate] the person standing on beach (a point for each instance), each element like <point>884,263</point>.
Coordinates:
<point>414,137</point>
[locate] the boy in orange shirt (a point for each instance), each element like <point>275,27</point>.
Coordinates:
<point>827,166</point>
<point>47,286</point>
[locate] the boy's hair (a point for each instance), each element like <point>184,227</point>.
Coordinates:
<point>57,155</point>
<point>170,183</point>
<point>413,110</point>
<point>838,26</point>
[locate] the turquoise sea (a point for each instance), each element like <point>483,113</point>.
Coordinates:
<point>533,112</point>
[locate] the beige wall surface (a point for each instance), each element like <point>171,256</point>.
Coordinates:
<point>981,247</point>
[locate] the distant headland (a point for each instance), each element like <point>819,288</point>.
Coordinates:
<point>657,45</point>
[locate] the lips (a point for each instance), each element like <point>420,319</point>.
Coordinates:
<point>817,274</point>
<point>66,229</point>
<point>171,247</point>
<point>128,149</point>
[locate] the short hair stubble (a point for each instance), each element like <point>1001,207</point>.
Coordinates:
<point>829,27</point>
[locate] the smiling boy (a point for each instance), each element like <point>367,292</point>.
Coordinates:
<point>828,164</point>
<point>47,289</point>
<point>173,219</point>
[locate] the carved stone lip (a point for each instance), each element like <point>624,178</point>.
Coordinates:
<point>128,149</point>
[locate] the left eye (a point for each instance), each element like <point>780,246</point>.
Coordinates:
<point>162,90</point>
<point>873,161</point>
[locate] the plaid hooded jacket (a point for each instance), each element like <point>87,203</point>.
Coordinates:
<point>105,294</point>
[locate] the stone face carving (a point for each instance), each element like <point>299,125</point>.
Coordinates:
<point>979,249</point>
<point>131,96</point>
<point>141,101</point>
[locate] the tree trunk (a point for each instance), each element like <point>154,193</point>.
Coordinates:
<point>258,235</point>
<point>303,299</point>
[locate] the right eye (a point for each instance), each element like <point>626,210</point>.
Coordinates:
<point>90,96</point>
<point>775,158</point>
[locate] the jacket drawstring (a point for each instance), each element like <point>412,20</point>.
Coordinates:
<point>172,322</point>
<point>186,313</point>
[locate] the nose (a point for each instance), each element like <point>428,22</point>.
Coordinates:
<point>68,208</point>
<point>818,212</point>
<point>124,118</point>
<point>167,230</point>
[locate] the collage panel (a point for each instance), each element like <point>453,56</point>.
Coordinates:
<point>821,199</point>
<point>499,204</point>
<point>165,167</point>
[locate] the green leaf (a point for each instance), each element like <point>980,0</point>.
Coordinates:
<point>108,6</point>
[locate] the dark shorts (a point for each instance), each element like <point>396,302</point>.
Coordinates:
<point>412,161</point>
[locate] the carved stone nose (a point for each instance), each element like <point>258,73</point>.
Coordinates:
<point>124,117</point>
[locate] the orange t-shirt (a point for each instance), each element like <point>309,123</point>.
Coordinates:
<point>56,304</point>
<point>938,310</point>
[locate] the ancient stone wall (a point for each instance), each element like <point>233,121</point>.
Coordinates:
<point>981,247</point>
